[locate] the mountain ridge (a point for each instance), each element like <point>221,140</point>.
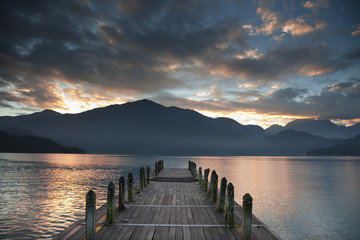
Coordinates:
<point>147,128</point>
<point>322,127</point>
<point>32,144</point>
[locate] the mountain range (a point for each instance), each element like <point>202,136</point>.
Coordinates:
<point>32,144</point>
<point>147,128</point>
<point>350,147</point>
<point>322,127</point>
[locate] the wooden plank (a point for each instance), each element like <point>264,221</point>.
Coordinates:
<point>200,233</point>
<point>157,234</point>
<point>193,233</point>
<point>150,233</point>
<point>172,233</point>
<point>178,233</point>
<point>128,232</point>
<point>186,233</point>
<point>136,233</point>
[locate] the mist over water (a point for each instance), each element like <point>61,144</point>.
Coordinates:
<point>297,197</point>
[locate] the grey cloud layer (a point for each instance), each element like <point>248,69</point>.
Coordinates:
<point>126,47</point>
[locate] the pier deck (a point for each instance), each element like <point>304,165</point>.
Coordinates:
<point>172,206</point>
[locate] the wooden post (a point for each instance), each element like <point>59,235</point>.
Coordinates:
<point>246,217</point>
<point>110,203</point>
<point>121,193</point>
<point>200,176</point>
<point>156,169</point>
<point>222,194</point>
<point>213,172</point>
<point>194,169</point>
<point>130,183</point>
<point>90,215</point>
<point>206,179</point>
<point>141,179</point>
<point>229,214</point>
<point>215,187</point>
<point>148,175</point>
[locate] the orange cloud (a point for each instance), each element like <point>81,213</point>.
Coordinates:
<point>270,19</point>
<point>316,4</point>
<point>311,70</point>
<point>298,27</point>
<point>357,31</point>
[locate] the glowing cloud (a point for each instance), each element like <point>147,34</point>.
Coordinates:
<point>298,27</point>
<point>357,31</point>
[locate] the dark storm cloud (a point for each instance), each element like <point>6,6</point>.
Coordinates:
<point>129,50</point>
<point>140,48</point>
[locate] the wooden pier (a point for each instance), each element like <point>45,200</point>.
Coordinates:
<point>172,206</point>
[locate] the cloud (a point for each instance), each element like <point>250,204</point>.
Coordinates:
<point>277,64</point>
<point>357,31</point>
<point>316,4</point>
<point>298,27</point>
<point>271,21</point>
<point>74,54</point>
<point>336,101</point>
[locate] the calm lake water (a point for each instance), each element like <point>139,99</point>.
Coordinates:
<point>297,197</point>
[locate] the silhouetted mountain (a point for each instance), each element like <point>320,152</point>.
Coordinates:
<point>291,142</point>
<point>6,120</point>
<point>350,147</point>
<point>17,131</point>
<point>31,144</point>
<point>275,128</point>
<point>324,128</point>
<point>144,127</point>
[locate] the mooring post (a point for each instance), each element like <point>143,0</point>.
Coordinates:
<point>144,177</point>
<point>141,179</point>
<point>194,170</point>
<point>90,215</point>
<point>213,172</point>
<point>121,193</point>
<point>110,203</point>
<point>200,176</point>
<point>222,194</point>
<point>148,175</point>
<point>156,169</point>
<point>246,217</point>
<point>215,188</point>
<point>206,179</point>
<point>229,214</point>
<point>130,182</point>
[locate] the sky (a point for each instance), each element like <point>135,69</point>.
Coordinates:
<point>258,62</point>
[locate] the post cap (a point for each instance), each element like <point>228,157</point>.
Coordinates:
<point>247,199</point>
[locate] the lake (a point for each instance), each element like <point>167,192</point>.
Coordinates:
<point>297,197</point>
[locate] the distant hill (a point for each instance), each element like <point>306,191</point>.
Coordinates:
<point>324,128</point>
<point>350,147</point>
<point>31,144</point>
<point>275,128</point>
<point>291,142</point>
<point>142,127</point>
